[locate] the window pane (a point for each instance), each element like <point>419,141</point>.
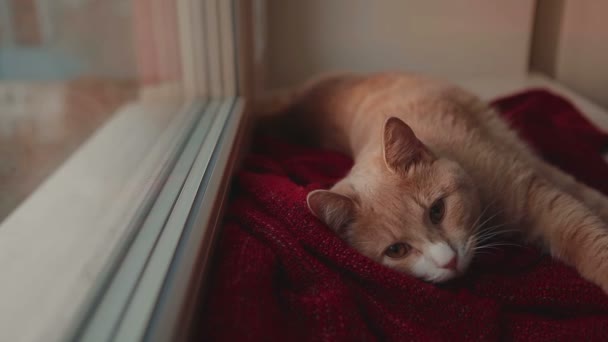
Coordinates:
<point>66,68</point>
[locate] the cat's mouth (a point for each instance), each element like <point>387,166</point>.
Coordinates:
<point>464,257</point>
<point>441,275</point>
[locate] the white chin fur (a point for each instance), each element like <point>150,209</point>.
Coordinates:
<point>442,276</point>
<point>427,266</point>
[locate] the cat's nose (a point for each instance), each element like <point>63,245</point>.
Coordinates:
<point>452,264</point>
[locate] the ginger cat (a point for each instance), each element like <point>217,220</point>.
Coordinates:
<point>436,174</point>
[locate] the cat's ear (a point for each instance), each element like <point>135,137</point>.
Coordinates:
<point>334,209</point>
<point>401,147</point>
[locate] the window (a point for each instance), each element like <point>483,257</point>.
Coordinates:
<point>119,124</point>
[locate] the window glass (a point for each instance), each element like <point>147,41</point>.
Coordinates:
<point>66,68</point>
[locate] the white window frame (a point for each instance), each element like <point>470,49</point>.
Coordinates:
<point>97,251</point>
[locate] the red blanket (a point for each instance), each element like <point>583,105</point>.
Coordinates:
<point>280,275</point>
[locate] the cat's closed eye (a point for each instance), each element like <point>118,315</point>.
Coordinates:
<point>437,211</point>
<point>397,250</point>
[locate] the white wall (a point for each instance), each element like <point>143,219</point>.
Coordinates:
<point>545,38</point>
<point>571,45</point>
<point>582,61</point>
<point>455,39</point>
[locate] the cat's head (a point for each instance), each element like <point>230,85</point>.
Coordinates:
<point>405,208</point>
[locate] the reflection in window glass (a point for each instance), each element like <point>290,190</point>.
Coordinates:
<point>66,67</point>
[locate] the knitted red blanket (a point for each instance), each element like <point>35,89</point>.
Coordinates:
<point>280,275</point>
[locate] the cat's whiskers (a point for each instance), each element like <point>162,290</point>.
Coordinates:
<point>485,234</point>
<point>482,252</point>
<point>475,224</point>
<point>495,245</point>
<point>490,234</point>
<point>478,230</point>
<point>484,248</point>
<point>490,218</point>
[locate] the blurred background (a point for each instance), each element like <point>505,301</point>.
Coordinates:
<point>66,66</point>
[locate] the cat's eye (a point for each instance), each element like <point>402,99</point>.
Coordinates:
<point>437,211</point>
<point>397,250</point>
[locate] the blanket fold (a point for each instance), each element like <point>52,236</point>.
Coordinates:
<point>280,275</point>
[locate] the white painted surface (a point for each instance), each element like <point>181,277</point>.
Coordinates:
<point>213,48</point>
<point>582,61</point>
<point>226,25</point>
<point>56,247</point>
<point>571,45</point>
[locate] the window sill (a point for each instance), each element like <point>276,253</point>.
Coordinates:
<point>65,249</point>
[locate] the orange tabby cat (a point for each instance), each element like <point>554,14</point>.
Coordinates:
<point>433,167</point>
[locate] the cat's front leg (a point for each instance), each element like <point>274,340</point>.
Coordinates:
<point>571,231</point>
<point>592,198</point>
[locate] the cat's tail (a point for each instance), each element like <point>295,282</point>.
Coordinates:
<point>272,109</point>
<point>276,102</point>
